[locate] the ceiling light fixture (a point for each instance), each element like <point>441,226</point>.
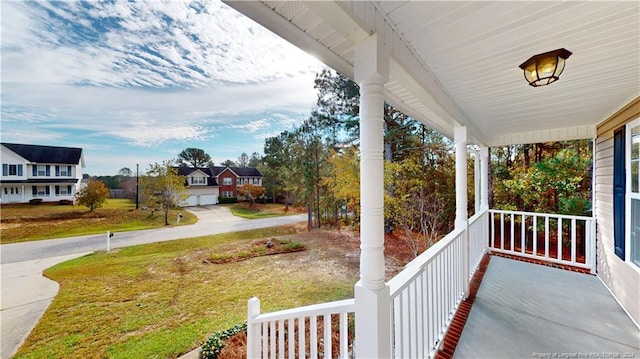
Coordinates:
<point>543,69</point>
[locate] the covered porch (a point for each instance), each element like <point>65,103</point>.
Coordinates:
<point>454,67</point>
<point>525,310</point>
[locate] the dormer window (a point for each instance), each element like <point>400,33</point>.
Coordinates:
<point>198,180</point>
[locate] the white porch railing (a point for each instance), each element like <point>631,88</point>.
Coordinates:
<point>478,239</point>
<point>425,296</point>
<point>556,238</point>
<point>285,334</point>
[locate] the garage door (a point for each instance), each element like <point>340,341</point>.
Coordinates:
<point>208,199</point>
<point>190,201</point>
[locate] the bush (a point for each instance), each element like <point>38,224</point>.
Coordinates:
<point>228,200</point>
<point>35,201</point>
<point>65,202</point>
<point>214,344</point>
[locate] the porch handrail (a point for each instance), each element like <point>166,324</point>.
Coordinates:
<point>541,214</point>
<point>266,332</point>
<point>538,233</point>
<point>413,268</point>
<point>425,297</point>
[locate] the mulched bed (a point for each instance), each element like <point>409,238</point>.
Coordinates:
<point>258,248</point>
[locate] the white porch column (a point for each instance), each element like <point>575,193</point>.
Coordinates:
<point>477,181</point>
<point>373,314</point>
<point>460,139</point>
<point>484,178</point>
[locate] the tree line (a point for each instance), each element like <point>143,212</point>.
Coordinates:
<point>316,165</point>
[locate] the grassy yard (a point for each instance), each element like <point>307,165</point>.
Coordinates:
<point>27,222</point>
<point>161,300</point>
<point>259,210</point>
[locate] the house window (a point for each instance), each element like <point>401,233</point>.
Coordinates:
<point>227,181</point>
<point>633,191</point>
<point>40,191</point>
<point>64,171</point>
<point>227,193</point>
<point>11,170</point>
<point>198,180</point>
<point>256,181</point>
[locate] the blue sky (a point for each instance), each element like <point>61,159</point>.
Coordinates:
<point>138,82</point>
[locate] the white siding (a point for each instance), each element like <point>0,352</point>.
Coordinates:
<point>620,277</point>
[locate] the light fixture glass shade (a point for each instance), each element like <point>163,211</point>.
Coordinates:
<point>543,69</point>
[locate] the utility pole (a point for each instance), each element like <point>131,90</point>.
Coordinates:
<point>137,185</point>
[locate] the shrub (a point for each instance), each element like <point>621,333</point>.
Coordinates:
<point>65,202</point>
<point>214,344</point>
<point>35,201</point>
<point>228,200</point>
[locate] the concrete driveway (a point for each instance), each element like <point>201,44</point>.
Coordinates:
<point>26,294</point>
<point>213,214</point>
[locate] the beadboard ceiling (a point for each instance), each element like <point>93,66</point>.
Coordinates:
<point>456,62</point>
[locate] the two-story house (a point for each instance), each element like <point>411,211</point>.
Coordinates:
<point>49,173</point>
<point>230,178</point>
<point>202,186</point>
<point>206,184</point>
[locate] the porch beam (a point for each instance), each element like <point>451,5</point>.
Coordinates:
<point>373,314</point>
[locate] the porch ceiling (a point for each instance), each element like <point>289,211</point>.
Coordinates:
<point>457,62</point>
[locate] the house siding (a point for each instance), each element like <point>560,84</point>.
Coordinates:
<point>49,186</point>
<point>620,277</point>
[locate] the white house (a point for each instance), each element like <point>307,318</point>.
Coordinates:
<point>456,67</point>
<point>48,173</point>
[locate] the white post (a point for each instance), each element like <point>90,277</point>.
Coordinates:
<point>484,178</point>
<point>253,329</point>
<point>477,182</point>
<point>372,299</point>
<point>460,139</point>
<point>108,241</point>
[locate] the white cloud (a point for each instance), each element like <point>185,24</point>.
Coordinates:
<point>125,76</point>
<point>159,44</point>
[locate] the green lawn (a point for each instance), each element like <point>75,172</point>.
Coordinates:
<point>161,300</point>
<point>27,222</point>
<point>258,210</point>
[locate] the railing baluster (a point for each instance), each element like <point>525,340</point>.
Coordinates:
<point>302,350</point>
<point>265,338</point>
<point>501,230</point>
<point>313,336</point>
<point>493,230</point>
<point>326,322</point>
<point>546,236</point>
<point>523,233</point>
<point>292,338</point>
<point>573,240</point>
<point>281,339</point>
<point>272,339</point>
<point>513,226</point>
<point>559,238</point>
<point>344,331</point>
<point>535,235</point>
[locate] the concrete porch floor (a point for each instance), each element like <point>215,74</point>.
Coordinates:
<point>524,310</point>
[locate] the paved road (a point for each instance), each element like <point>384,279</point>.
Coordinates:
<point>26,294</point>
<point>212,220</point>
